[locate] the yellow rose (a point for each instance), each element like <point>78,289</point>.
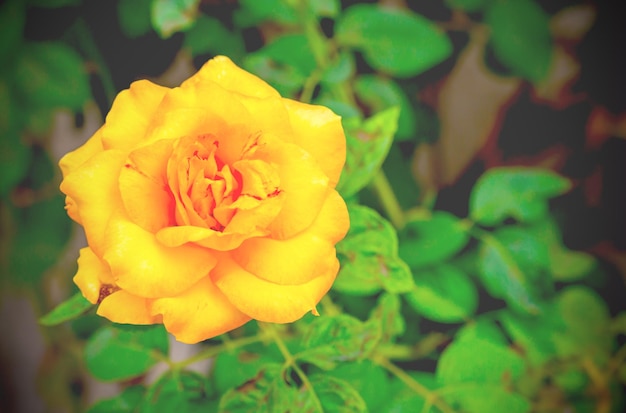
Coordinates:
<point>208,205</point>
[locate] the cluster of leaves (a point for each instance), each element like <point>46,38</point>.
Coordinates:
<point>430,312</point>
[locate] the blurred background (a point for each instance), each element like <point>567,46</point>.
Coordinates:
<point>533,83</point>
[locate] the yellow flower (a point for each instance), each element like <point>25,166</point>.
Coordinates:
<point>208,204</point>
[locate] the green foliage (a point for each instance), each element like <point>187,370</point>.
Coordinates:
<point>379,94</point>
<point>134,17</point>
<point>382,34</point>
<point>432,239</point>
<point>67,310</point>
<point>51,75</point>
<point>430,312</point>
<point>514,192</point>
<point>40,233</point>
<point>209,35</point>
<point>126,402</point>
<point>330,340</point>
<point>169,17</point>
<point>118,352</point>
<point>368,143</point>
<point>520,37</point>
<point>369,256</point>
<point>444,294</point>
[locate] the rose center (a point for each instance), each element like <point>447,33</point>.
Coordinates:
<point>205,185</point>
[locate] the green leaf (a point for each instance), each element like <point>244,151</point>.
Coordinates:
<point>387,314</point>
<point>232,369</point>
<point>404,399</point>
<point>253,12</point>
<point>14,155</point>
<point>291,50</point>
<point>134,17</point>
<point>339,338</point>
<point>565,264</point>
<point>367,379</point>
<point>380,93</point>
<point>429,240</point>
<point>368,143</point>
<point>209,35</point>
<point>340,69</point>
<point>520,37</point>
<point>41,233</point>
<point>468,5</point>
<point>12,21</point>
<point>482,328</point>
<point>267,392</point>
<point>513,265</point>
<point>587,320</point>
<point>119,352</point>
<point>67,310</point>
<point>368,255</point>
<point>487,398</point>
<point>51,74</point>
<point>171,16</point>
<point>335,395</point>
<point>286,79</point>
<point>474,360</point>
<point>184,392</point>
<point>516,192</point>
<point>444,294</point>
<point>125,402</point>
<point>398,42</point>
<point>534,333</point>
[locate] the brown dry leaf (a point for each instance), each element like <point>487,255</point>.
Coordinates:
<point>469,104</point>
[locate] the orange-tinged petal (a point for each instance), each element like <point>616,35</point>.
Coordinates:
<point>206,109</point>
<point>131,115</point>
<point>304,184</point>
<point>318,130</point>
<point>223,71</point>
<point>299,259</point>
<point>144,189</point>
<point>199,313</point>
<point>143,266</point>
<point>126,308</point>
<point>92,274</point>
<point>72,160</point>
<point>93,187</point>
<point>266,301</point>
<point>205,237</point>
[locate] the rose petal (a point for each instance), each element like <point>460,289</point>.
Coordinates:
<point>131,114</point>
<point>318,130</point>
<point>72,160</point>
<point>223,71</point>
<point>91,275</point>
<point>269,116</point>
<point>266,301</point>
<point>299,259</point>
<point>144,267</point>
<point>304,184</point>
<point>199,313</point>
<point>206,109</point>
<point>93,188</point>
<point>144,188</point>
<point>126,308</point>
<point>205,237</point>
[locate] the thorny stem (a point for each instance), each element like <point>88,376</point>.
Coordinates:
<point>290,361</point>
<point>388,199</point>
<point>431,398</point>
